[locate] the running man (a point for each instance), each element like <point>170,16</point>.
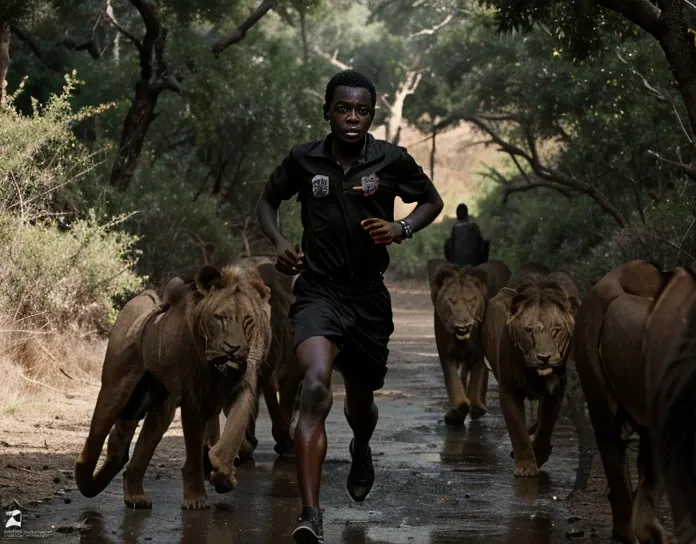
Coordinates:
<point>342,316</point>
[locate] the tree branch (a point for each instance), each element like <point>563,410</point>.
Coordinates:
<point>240,32</point>
<point>333,59</point>
<point>641,12</point>
<point>686,168</point>
<point>123,31</point>
<point>540,170</point>
<point>512,189</point>
<point>153,29</point>
<point>433,30</point>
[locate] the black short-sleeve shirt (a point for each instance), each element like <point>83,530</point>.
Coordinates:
<point>334,243</point>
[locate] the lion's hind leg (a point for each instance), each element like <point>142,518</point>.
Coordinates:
<point>646,526</point>
<point>156,423</point>
<point>612,450</point>
<point>110,403</point>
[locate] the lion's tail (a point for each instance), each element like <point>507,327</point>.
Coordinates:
<point>673,420</point>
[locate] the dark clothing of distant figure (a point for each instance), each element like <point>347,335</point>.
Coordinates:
<point>340,293</point>
<point>466,246</point>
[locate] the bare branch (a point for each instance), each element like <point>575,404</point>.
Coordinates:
<point>542,171</point>
<point>91,46</point>
<point>512,189</point>
<point>686,168</point>
<point>123,31</point>
<point>238,34</point>
<point>433,30</point>
<point>658,94</point>
<point>4,61</point>
<point>333,59</point>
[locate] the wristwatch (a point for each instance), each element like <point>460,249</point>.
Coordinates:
<point>408,233</point>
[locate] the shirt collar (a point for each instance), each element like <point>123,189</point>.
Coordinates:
<point>370,151</point>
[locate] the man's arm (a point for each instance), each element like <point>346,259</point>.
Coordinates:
<point>414,186</point>
<point>280,186</point>
<point>426,211</point>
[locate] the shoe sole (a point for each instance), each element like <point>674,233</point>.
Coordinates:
<point>305,535</point>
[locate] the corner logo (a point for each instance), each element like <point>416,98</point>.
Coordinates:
<point>370,184</point>
<point>320,186</point>
<point>13,520</point>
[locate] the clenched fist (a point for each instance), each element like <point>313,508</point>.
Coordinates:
<point>383,232</point>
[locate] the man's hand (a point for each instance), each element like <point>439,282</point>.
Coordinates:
<point>290,258</point>
<point>383,232</point>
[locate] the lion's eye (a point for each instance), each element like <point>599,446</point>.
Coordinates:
<point>248,322</point>
<point>528,329</point>
<point>220,318</point>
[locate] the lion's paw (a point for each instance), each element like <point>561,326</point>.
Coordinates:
<point>478,410</point>
<point>284,447</point>
<point>623,535</point>
<point>526,469</point>
<point>222,480</point>
<point>651,532</point>
<point>138,501</point>
<point>195,502</point>
<point>456,416</point>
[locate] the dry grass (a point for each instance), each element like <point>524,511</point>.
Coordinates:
<point>37,364</point>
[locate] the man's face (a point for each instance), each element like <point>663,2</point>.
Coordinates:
<point>350,113</point>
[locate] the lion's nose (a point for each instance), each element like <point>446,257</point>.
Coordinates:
<point>236,351</point>
<point>544,358</point>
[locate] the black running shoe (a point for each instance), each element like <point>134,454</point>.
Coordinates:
<point>310,529</point>
<point>361,477</point>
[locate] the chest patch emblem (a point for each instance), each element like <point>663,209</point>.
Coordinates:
<point>370,184</point>
<point>320,185</point>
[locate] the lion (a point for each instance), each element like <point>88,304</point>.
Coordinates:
<point>281,376</point>
<point>192,348</point>
<point>633,342</point>
<point>527,333</point>
<point>460,296</point>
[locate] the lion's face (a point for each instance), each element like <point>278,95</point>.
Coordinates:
<point>460,302</point>
<point>540,324</point>
<point>232,316</point>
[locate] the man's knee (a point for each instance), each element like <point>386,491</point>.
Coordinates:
<point>315,398</point>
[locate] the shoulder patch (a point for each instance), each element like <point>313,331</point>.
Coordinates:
<point>320,185</point>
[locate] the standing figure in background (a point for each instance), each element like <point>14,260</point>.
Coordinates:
<point>466,246</point>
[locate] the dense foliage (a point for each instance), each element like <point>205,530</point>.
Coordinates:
<point>594,138</point>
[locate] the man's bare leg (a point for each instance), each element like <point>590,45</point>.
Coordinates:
<point>362,414</point>
<point>316,356</point>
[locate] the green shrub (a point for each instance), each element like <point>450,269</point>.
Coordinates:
<point>64,263</point>
<point>408,258</point>
<point>57,277</point>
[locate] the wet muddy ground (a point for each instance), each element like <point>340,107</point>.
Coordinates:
<point>435,485</point>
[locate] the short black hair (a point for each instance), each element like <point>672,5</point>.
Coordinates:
<point>349,78</point>
<point>462,212</point>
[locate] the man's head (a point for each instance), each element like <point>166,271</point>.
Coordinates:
<point>350,105</point>
<point>462,212</point>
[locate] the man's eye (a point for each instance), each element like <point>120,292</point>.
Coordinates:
<point>364,111</point>
<point>341,109</point>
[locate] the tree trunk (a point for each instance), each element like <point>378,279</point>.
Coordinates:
<point>433,151</point>
<point>4,61</point>
<point>680,51</point>
<point>140,115</point>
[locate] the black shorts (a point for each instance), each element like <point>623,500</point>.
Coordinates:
<point>357,319</point>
